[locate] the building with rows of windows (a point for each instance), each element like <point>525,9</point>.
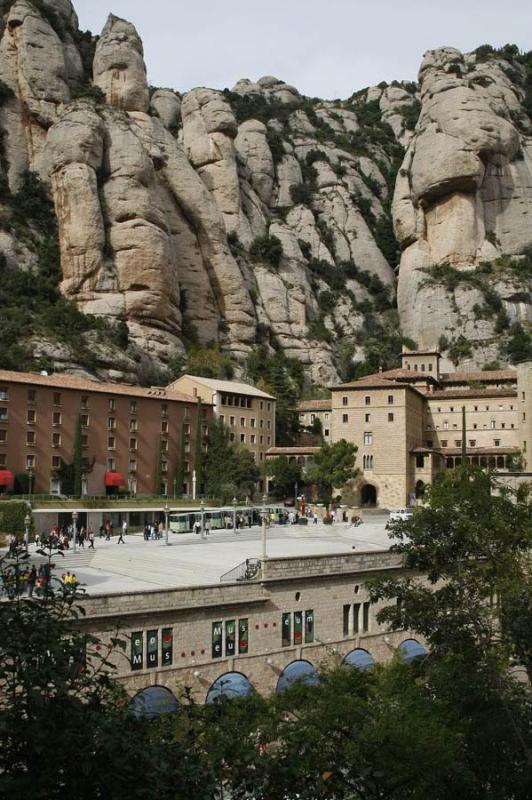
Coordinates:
<point>248,412</point>
<point>408,424</point>
<point>130,437</point>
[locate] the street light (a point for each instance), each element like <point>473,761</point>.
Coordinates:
<point>75,526</point>
<point>166,512</point>
<point>264,556</point>
<point>202,510</point>
<point>235,501</point>
<point>27,523</point>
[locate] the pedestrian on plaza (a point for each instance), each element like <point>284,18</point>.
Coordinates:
<point>152,532</point>
<point>124,527</point>
<point>197,526</point>
<point>121,536</point>
<point>91,539</point>
<point>315,518</point>
<point>207,527</point>
<point>108,531</point>
<point>32,578</point>
<point>81,537</point>
<point>160,529</point>
<point>102,531</point>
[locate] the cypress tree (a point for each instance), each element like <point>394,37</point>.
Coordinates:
<point>198,451</point>
<point>77,463</point>
<point>180,465</point>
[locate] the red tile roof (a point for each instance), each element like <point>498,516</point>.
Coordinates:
<point>315,405</point>
<point>64,381</point>
<point>454,394</point>
<point>481,376</point>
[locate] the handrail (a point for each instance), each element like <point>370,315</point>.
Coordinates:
<point>246,571</point>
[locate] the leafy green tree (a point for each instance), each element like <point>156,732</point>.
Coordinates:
<point>283,378</point>
<point>333,466</point>
<point>284,474</point>
<point>229,469</point>
<point>473,610</point>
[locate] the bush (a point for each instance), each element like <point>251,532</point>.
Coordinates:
<point>275,143</point>
<point>267,248</point>
<point>301,194</point>
<point>327,301</point>
<point>12,514</point>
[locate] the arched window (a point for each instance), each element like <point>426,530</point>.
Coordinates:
<point>359,658</point>
<point>153,701</point>
<point>411,650</point>
<point>297,671</point>
<point>227,686</point>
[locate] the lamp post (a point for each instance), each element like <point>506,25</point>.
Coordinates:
<point>27,523</point>
<point>264,556</point>
<point>75,527</point>
<point>235,501</point>
<point>166,512</point>
<point>202,510</point>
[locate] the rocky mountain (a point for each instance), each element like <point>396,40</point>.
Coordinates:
<point>255,224</point>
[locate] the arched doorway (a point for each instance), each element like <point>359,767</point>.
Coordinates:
<point>368,495</point>
<point>412,650</point>
<point>420,489</point>
<point>297,671</point>
<point>359,658</point>
<point>152,702</point>
<point>228,686</point>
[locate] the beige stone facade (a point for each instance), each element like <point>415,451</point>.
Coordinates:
<point>311,410</point>
<point>248,412</point>
<point>327,593</point>
<point>407,424</point>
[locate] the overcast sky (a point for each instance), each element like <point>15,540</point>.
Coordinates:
<point>326,48</point>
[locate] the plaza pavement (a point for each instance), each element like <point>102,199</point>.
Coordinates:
<point>189,561</point>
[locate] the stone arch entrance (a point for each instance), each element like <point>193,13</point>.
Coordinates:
<point>368,495</point>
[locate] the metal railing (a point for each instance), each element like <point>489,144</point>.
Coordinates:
<point>248,570</point>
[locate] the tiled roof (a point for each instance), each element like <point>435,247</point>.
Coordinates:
<point>226,386</point>
<point>376,381</point>
<point>481,376</point>
<point>63,381</point>
<point>315,405</point>
<point>481,451</point>
<point>292,451</point>
<point>454,394</point>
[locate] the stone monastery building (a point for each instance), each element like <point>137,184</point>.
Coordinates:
<point>407,424</point>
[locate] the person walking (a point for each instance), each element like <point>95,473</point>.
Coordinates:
<point>90,536</point>
<point>121,534</point>
<point>315,518</point>
<point>32,579</point>
<point>102,531</point>
<point>207,527</point>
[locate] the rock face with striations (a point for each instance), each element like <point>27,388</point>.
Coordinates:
<point>463,199</point>
<point>258,216</point>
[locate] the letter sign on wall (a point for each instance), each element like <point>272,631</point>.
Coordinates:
<point>230,638</point>
<point>298,627</point>
<point>286,630</point>
<point>243,636</point>
<point>136,650</point>
<point>153,648</point>
<point>309,626</point>
<point>167,646</point>
<point>216,639</point>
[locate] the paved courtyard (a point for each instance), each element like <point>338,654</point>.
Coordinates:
<point>190,561</point>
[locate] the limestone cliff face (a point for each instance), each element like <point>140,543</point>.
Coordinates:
<point>257,215</point>
<point>463,200</point>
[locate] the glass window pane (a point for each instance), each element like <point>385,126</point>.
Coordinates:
<point>347,609</point>
<point>356,614</point>
<point>298,627</point>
